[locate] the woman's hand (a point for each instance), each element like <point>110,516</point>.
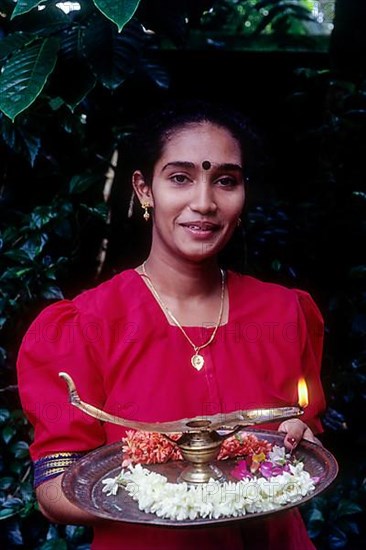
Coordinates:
<point>295,431</point>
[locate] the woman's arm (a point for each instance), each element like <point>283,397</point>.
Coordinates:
<point>57,508</point>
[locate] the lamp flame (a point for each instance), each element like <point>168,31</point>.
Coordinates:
<point>302,390</point>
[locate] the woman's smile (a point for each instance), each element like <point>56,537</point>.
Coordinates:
<point>201,229</point>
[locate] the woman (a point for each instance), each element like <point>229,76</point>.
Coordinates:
<point>176,337</point>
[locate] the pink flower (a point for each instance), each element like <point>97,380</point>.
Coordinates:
<point>269,469</point>
<point>241,470</point>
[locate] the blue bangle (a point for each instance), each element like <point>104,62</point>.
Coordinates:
<point>50,466</point>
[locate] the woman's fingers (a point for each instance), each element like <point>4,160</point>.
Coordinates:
<point>295,431</point>
<point>308,434</point>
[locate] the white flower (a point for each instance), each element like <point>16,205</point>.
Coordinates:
<point>154,494</point>
<point>111,486</point>
<point>278,455</point>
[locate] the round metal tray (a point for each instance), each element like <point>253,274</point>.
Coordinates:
<point>82,482</point>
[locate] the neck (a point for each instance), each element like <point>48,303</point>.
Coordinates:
<point>181,280</point>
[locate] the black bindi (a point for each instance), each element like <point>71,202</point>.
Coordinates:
<point>206,165</point>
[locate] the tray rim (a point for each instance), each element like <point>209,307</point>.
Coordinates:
<point>115,449</point>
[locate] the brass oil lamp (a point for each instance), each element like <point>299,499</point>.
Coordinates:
<point>201,439</point>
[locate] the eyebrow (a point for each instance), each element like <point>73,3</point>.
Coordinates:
<point>185,164</point>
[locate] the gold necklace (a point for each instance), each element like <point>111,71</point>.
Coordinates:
<point>197,360</point>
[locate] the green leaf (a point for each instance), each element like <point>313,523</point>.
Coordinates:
<point>276,265</point>
<point>40,216</point>
<point>14,535</point>
<point>27,492</point>
<point>56,103</point>
<point>112,56</point>
<point>54,544</point>
<point>13,42</point>
<point>315,522</point>
<point>74,533</point>
<point>100,210</point>
<point>72,60</point>
<point>13,502</point>
<point>14,273</point>
<point>351,527</point>
<point>24,6</point>
<point>6,483</point>
<point>316,515</point>
<point>347,508</point>
<point>7,434</point>
<point>52,293</point>
<point>24,75</point>
<point>119,12</point>
<point>20,449</point>
<point>34,246</point>
<point>81,182</point>
<point>28,509</point>
<point>337,539</point>
<point>18,415</point>
<point>17,255</point>
<point>10,234</point>
<point>4,415</point>
<point>7,513</point>
<point>33,145</point>
<point>21,138</point>
<point>3,356</point>
<point>17,468</point>
<point>158,74</point>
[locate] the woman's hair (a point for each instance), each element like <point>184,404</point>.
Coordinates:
<point>154,130</point>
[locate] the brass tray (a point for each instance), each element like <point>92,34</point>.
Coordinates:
<point>82,482</point>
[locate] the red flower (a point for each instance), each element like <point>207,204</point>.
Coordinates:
<point>153,448</point>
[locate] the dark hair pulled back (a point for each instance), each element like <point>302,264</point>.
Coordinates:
<point>155,129</point>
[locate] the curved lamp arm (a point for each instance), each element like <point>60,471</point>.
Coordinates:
<point>236,419</point>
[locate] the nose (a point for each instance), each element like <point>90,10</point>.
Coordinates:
<point>203,200</point>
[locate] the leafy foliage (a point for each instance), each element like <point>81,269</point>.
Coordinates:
<point>24,6</point>
<point>24,75</point>
<point>313,235</point>
<point>30,58</point>
<point>104,42</point>
<point>118,12</point>
<point>251,18</point>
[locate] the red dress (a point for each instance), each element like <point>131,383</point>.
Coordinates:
<point>126,358</point>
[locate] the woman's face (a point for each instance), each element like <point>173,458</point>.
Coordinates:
<point>197,192</point>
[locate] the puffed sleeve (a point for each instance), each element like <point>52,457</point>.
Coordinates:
<point>60,339</point>
<point>311,333</point>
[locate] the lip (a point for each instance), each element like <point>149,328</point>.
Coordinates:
<point>201,225</point>
<point>200,229</point>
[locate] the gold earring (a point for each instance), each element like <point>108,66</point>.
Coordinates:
<point>146,214</point>
<point>238,223</point>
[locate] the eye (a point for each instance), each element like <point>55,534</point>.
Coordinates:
<point>227,181</point>
<point>179,178</point>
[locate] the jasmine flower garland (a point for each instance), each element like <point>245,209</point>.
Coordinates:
<point>252,494</point>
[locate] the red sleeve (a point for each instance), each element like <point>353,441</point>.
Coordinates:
<point>311,329</point>
<point>60,339</point>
